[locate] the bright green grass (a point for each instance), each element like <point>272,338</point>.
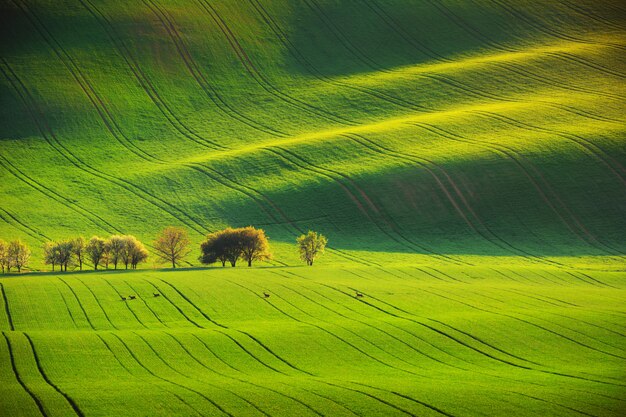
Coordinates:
<point>465,158</point>
<point>422,341</point>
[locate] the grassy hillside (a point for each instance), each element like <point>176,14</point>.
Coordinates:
<point>465,159</point>
<point>452,128</point>
<point>421,342</point>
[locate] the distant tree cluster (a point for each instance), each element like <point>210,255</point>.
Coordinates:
<point>172,245</point>
<point>15,254</point>
<point>230,245</point>
<point>115,250</point>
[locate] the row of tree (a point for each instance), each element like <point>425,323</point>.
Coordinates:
<point>172,245</point>
<point>115,250</point>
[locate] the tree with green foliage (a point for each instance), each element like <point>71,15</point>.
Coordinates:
<point>19,254</point>
<point>311,246</point>
<point>78,250</point>
<point>50,255</point>
<point>172,245</point>
<point>115,246</point>
<point>132,251</point>
<point>4,256</point>
<point>212,250</point>
<point>64,251</point>
<point>94,250</point>
<point>254,244</point>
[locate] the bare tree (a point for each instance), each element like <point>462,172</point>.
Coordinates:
<point>19,254</point>
<point>311,246</point>
<point>78,249</point>
<point>172,245</point>
<point>254,244</point>
<point>4,256</point>
<point>94,250</point>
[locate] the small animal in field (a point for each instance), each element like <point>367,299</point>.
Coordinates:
<point>123,298</point>
<point>156,294</point>
<point>358,294</point>
<point>266,295</point>
<point>132,297</point>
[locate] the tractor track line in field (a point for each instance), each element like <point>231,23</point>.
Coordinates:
<point>591,147</point>
<point>144,80</point>
<point>221,329</point>
<point>196,379</point>
<point>476,34</point>
<point>202,364</point>
<point>333,176</point>
<point>280,393</point>
<point>550,31</point>
<point>306,63</point>
<point>340,338</point>
<point>181,399</point>
<point>342,38</point>
<point>119,294</point>
<point>67,307</point>
<point>423,163</point>
<point>30,392</point>
<point>258,76</point>
<point>194,69</point>
<point>11,219</point>
<point>551,402</point>
<point>5,164</point>
<point>169,381</point>
<point>69,399</point>
<point>449,336</point>
<point>176,307</point>
<point>379,329</point>
<point>506,66</point>
<point>154,313</point>
<point>574,319</point>
<point>81,80</point>
<point>99,304</point>
<point>577,228</point>
<point>110,122</point>
<point>55,143</point>
<point>78,301</point>
<point>6,307</point>
<point>539,318</point>
<point>344,341</point>
<point>523,321</point>
<point>477,350</point>
<point>591,15</point>
<point>407,397</point>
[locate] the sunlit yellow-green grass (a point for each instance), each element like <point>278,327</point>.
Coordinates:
<point>465,158</point>
<point>422,340</point>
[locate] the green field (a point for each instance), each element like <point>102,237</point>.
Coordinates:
<point>465,158</point>
<point>422,341</point>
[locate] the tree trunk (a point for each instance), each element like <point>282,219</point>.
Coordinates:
<point>80,264</point>
<point>173,263</point>
<point>249,262</point>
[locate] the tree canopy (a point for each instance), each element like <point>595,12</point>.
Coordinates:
<point>311,246</point>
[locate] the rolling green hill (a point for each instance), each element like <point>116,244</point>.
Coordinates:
<point>465,158</point>
<point>438,128</point>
